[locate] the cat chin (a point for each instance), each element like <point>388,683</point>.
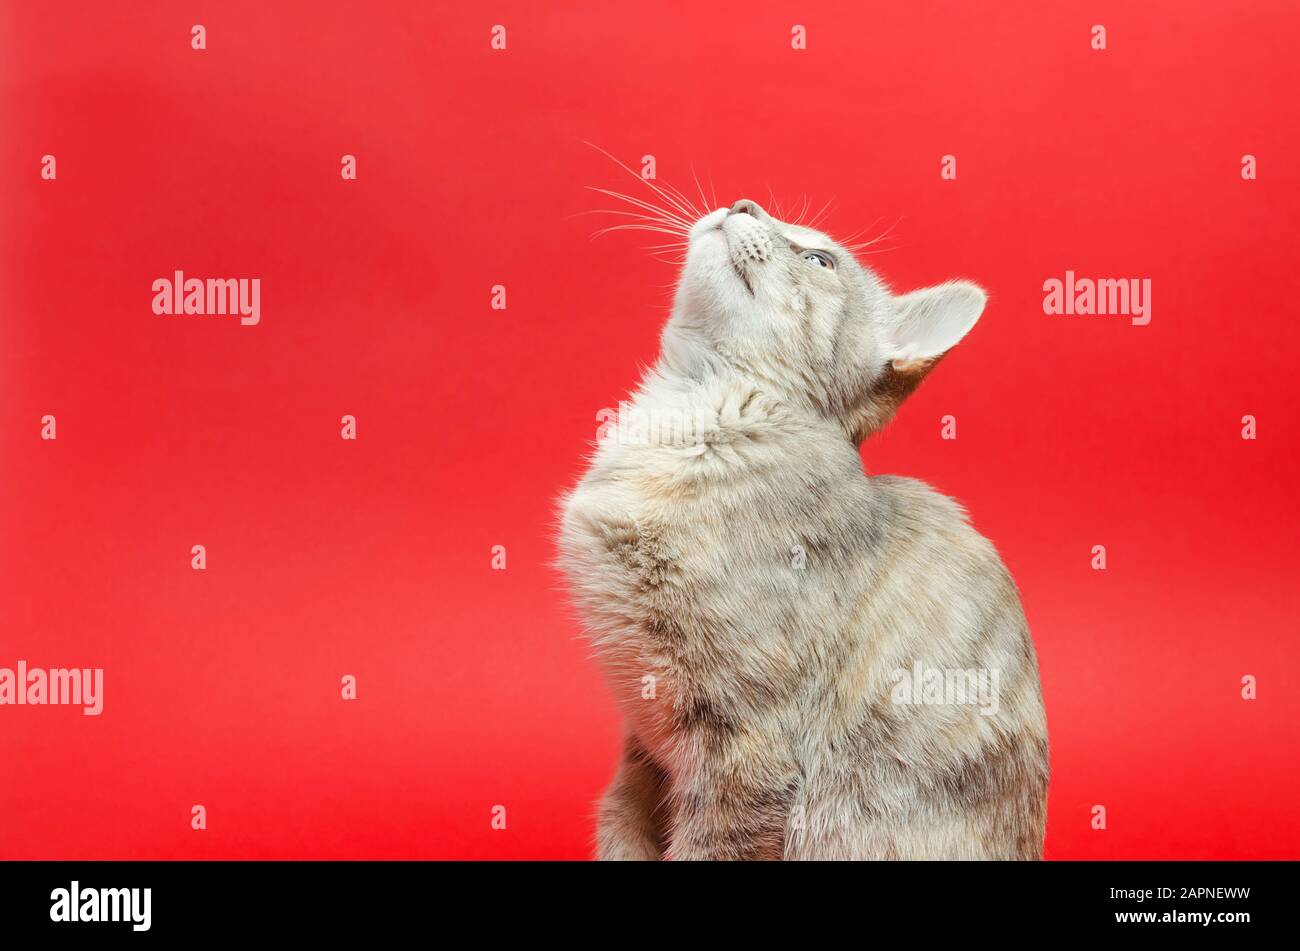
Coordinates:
<point>712,277</point>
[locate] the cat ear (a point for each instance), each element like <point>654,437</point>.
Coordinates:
<point>929,322</point>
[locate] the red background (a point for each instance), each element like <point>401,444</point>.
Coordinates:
<point>371,558</point>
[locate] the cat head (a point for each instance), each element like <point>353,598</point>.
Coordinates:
<point>795,310</point>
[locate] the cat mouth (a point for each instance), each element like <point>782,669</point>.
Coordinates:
<point>711,226</point>
<point>749,244</point>
<point>744,277</point>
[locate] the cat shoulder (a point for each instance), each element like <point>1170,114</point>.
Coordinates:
<point>921,509</point>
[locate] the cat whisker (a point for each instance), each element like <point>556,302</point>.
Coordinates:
<point>703,200</point>
<point>773,204</point>
<point>803,210</point>
<point>883,235</point>
<point>818,217</point>
<point>645,206</point>
<point>865,247</point>
<point>655,219</point>
<point>635,226</point>
<point>849,237</point>
<point>685,210</point>
<point>690,205</point>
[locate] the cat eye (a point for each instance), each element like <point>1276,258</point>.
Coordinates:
<point>819,259</point>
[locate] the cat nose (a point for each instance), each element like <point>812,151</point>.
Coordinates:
<point>747,207</point>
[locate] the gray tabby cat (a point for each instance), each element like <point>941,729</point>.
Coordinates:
<point>788,638</point>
